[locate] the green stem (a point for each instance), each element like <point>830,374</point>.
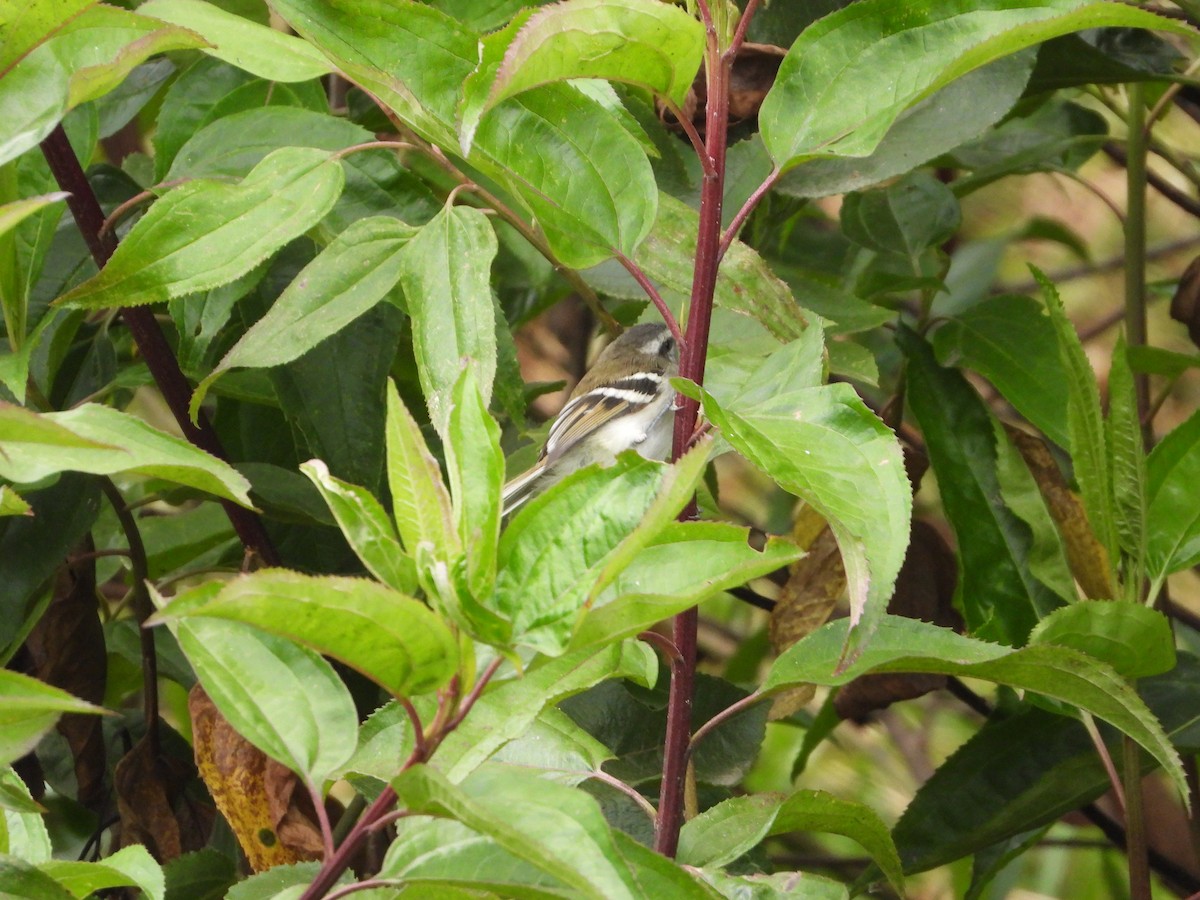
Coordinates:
<point>1135,246</point>
<point>1136,848</point>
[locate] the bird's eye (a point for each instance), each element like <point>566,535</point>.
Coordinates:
<point>667,347</point>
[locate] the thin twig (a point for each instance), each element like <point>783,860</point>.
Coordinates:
<point>374,145</point>
<point>655,297</point>
<point>662,644</point>
<point>689,128</point>
<point>142,608</point>
<point>739,36</point>
<point>721,718</point>
<point>627,790</point>
<point>1106,760</point>
<point>748,207</point>
<point>415,720</point>
<point>115,217</point>
<point>475,693</point>
<point>318,802</point>
<point>1188,204</point>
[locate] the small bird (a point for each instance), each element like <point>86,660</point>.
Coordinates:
<point>620,404</point>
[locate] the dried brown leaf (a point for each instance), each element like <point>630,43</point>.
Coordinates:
<point>1185,305</point>
<point>815,584</point>
<point>66,649</point>
<point>260,799</point>
<point>1086,556</point>
<point>153,804</point>
<point>925,591</point>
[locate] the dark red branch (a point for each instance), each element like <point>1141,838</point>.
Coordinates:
<point>151,341</point>
<point>693,356</point>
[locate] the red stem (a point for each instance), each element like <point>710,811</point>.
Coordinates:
<point>147,334</point>
<point>655,297</point>
<point>693,355</point>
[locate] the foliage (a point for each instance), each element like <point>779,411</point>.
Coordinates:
<point>260,391</point>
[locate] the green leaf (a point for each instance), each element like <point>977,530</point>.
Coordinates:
<point>19,878</point>
<point>908,645</point>
<point>384,741</point>
<point>1027,769</point>
<point>824,445</point>
<point>15,797</point>
<point>347,278</point>
<point>649,44</point>
<point>283,698</point>
<point>202,875</point>
<point>11,214</point>
<point>33,99</point>
<point>1053,136</point>
<point>103,45</point>
<point>392,639</point>
<point>263,51</point>
<point>367,527</point>
<point>28,24</point>
<point>685,564</point>
<point>826,99</point>
<point>780,886</point>
<point>556,546</point>
<point>1085,424</point>
<point>334,395</point>
<point>1011,342</point>
<point>573,166</point>
<point>1000,597</point>
<point>475,464</point>
<point>906,217</point>
<point>420,501</point>
<point>241,138</point>
<point>33,549</point>
<point>553,743</point>
<point>678,487</point>
<point>732,828</point>
<point>1173,519</point>
<point>441,853</point>
<point>508,707</point>
<point>558,829</point>
<point>205,92</point>
<point>942,121</point>
<point>1135,640</point>
<point>1127,465</point>
<point>206,233</point>
<point>23,831</point>
<point>131,866</point>
<point>104,441</point>
<point>28,709</point>
<point>446,274</point>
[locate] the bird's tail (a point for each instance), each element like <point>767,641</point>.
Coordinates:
<point>520,489</point>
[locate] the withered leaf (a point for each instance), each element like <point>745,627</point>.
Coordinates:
<point>1086,556</point>
<point>154,807</point>
<point>925,591</point>
<point>262,801</point>
<point>66,649</point>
